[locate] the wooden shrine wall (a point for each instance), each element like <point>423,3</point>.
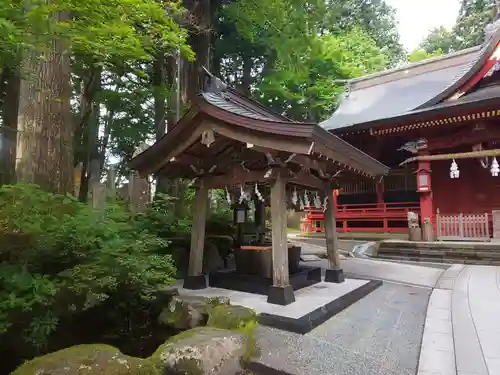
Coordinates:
<point>476,191</point>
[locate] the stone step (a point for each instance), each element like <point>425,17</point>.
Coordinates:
<point>441,252</point>
<point>448,260</point>
<point>440,245</point>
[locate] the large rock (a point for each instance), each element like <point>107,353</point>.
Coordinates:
<point>212,260</point>
<point>203,351</point>
<point>185,312</point>
<point>96,359</point>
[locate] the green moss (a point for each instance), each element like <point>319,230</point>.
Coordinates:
<point>215,301</point>
<point>248,329</point>
<point>229,316</point>
<point>237,319</point>
<point>96,359</point>
<point>178,337</point>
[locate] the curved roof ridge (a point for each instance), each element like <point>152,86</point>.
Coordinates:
<point>411,87</point>
<point>411,65</point>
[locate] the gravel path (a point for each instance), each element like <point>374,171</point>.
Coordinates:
<point>381,334</point>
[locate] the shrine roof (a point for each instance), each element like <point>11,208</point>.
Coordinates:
<point>408,88</point>
<point>483,101</point>
<point>243,127</point>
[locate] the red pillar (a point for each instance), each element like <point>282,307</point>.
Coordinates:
<point>424,185</point>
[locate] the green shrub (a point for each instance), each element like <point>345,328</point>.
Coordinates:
<point>59,258</point>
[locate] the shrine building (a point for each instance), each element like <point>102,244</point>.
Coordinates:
<point>435,123</point>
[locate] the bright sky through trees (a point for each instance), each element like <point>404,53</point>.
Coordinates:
<point>417,18</point>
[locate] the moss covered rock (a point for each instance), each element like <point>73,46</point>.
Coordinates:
<point>95,359</point>
<point>185,312</point>
<point>202,351</point>
<point>227,316</point>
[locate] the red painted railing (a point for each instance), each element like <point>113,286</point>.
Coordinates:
<point>368,217</point>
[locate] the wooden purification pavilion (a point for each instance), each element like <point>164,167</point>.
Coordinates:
<point>227,141</point>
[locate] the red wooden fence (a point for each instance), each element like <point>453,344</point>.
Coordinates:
<point>361,217</point>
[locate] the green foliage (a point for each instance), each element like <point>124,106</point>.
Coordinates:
<point>472,19</point>
<point>469,29</point>
<point>60,258</point>
<point>162,219</point>
<point>419,55</point>
<point>312,94</point>
<point>439,40</point>
<point>107,31</point>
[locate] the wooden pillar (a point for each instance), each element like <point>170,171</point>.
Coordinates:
<point>426,199</point>
<point>334,273</point>
<point>195,278</point>
<point>260,220</point>
<point>281,292</point>
<point>379,188</point>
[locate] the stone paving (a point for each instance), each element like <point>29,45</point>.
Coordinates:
<point>379,335</point>
<point>461,335</point>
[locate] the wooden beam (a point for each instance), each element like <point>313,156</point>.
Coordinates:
<point>279,229</point>
<point>235,176</point>
<point>306,161</point>
<point>238,175</point>
<point>273,142</point>
<point>458,155</point>
<point>305,179</point>
<point>176,151</point>
<point>467,137</point>
<point>198,231</point>
<point>349,161</point>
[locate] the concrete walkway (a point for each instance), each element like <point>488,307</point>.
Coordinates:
<point>461,332</point>
<point>462,329</point>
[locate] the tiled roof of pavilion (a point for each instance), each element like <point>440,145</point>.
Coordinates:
<point>408,88</point>
<point>238,120</point>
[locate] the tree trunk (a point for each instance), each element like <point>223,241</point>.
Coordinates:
<point>200,40</point>
<point>45,131</point>
<point>10,101</point>
<point>160,105</point>
<point>87,136</point>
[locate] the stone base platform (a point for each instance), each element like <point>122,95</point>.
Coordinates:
<point>313,304</point>
<point>480,253</point>
<point>230,279</point>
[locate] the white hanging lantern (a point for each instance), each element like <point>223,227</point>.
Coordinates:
<point>495,168</point>
<point>306,199</point>
<point>454,171</point>
<point>242,195</point>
